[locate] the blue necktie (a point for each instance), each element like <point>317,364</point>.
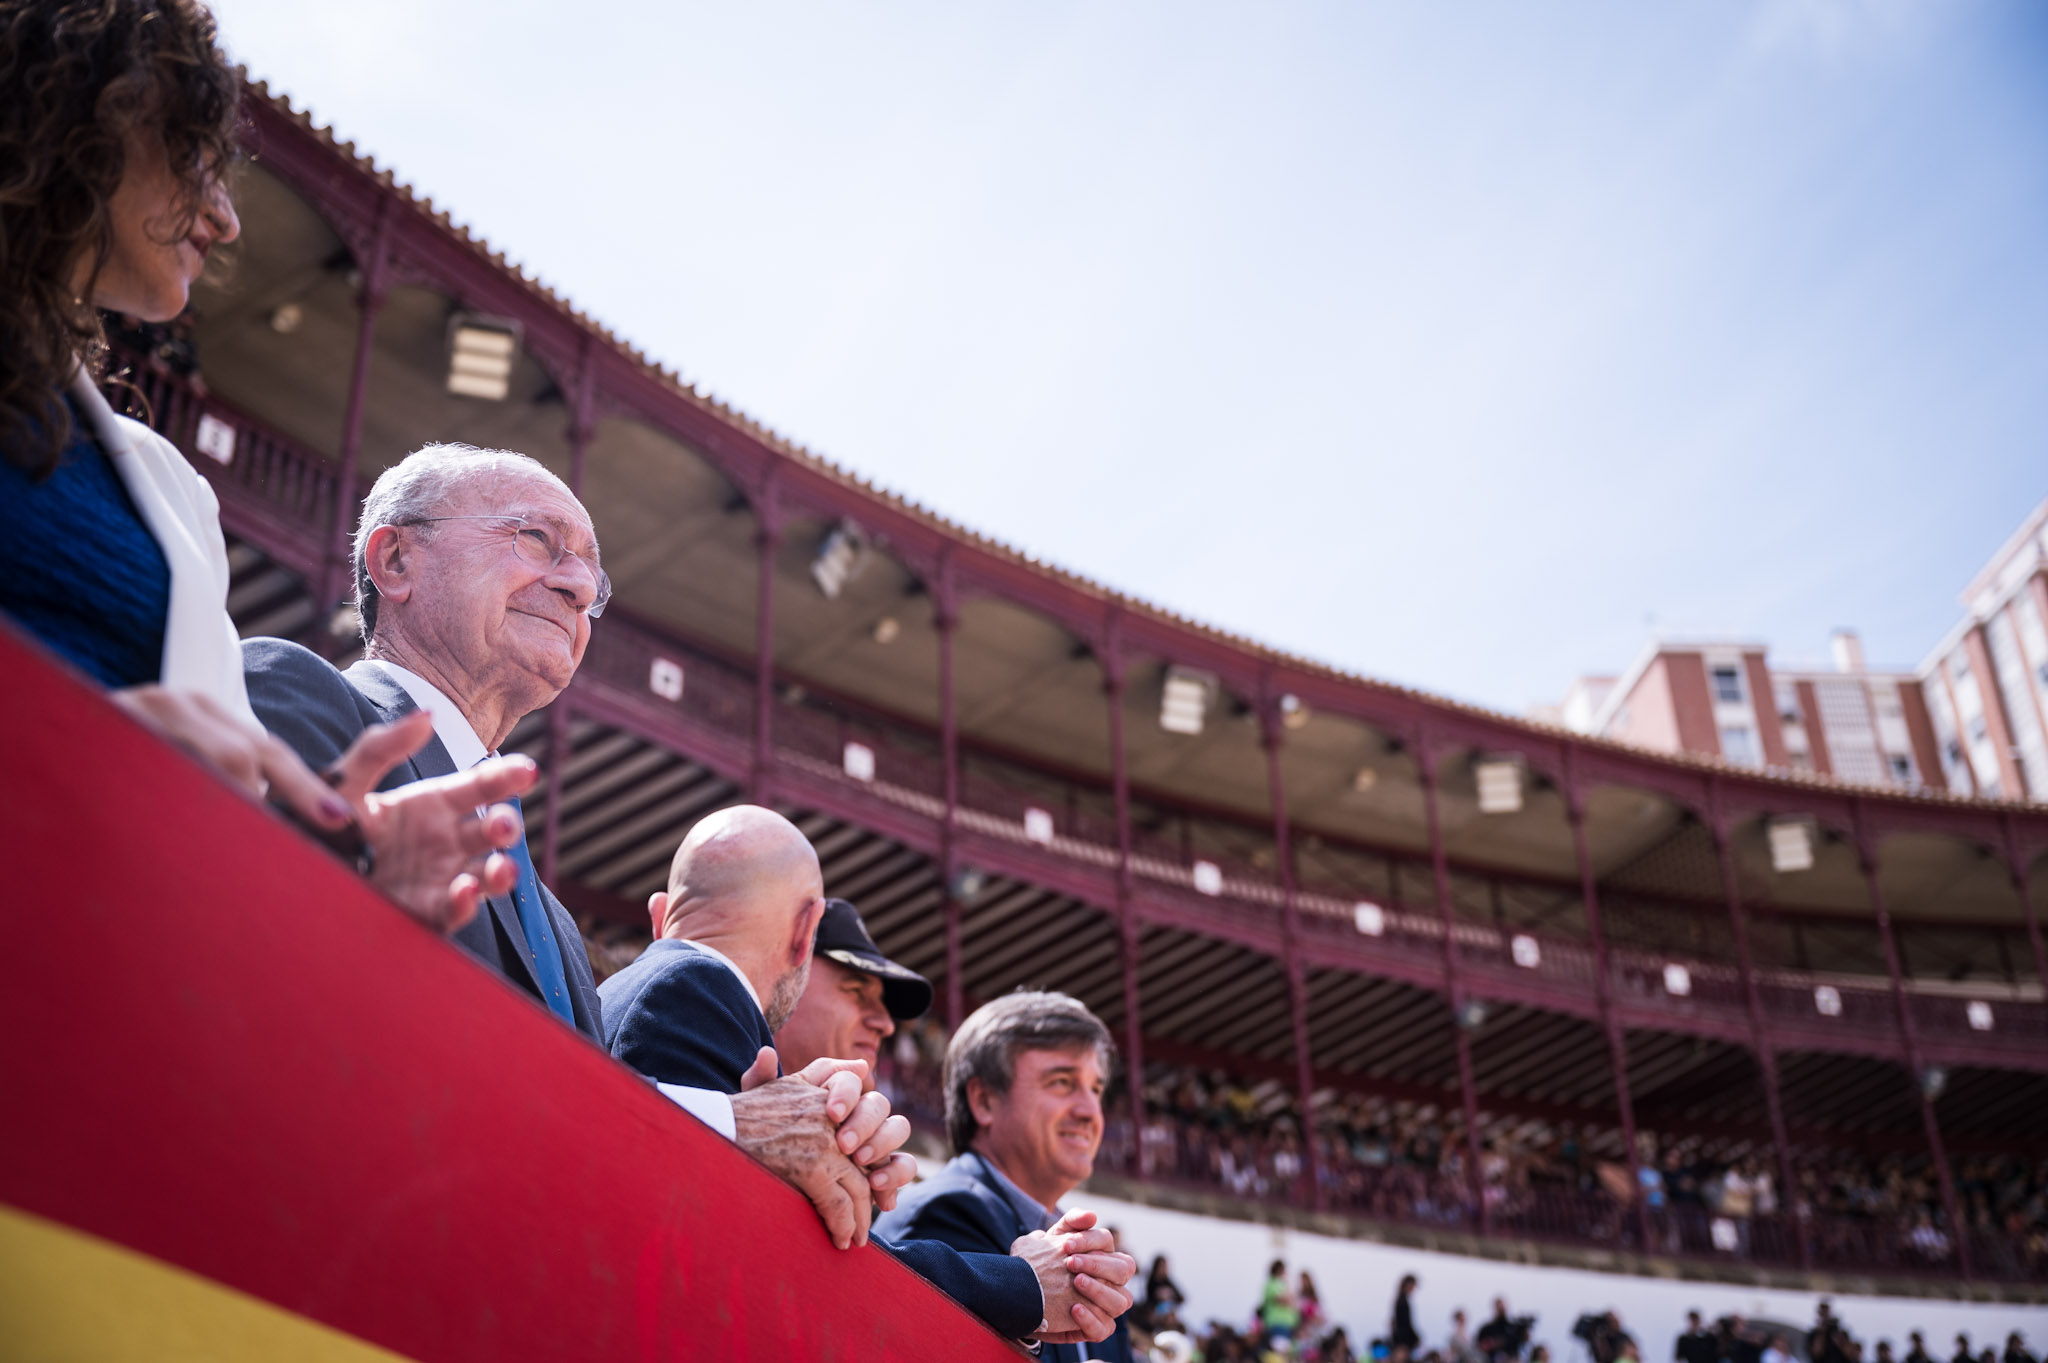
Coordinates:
<point>543,953</point>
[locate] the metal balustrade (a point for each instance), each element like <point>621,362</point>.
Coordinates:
<point>289,489</point>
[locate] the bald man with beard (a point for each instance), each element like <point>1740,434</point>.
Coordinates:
<point>730,957</point>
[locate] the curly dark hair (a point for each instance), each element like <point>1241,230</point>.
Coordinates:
<point>83,77</point>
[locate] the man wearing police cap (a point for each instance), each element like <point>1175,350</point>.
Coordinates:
<point>854,999</point>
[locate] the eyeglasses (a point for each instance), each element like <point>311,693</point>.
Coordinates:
<point>536,544</point>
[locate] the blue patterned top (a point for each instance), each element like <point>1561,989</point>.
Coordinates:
<point>78,567</point>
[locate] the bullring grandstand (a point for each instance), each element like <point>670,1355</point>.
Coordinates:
<point>1391,967</point>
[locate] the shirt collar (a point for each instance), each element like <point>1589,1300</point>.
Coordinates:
<point>718,955</point>
<point>465,749</point>
<point>1028,1208</point>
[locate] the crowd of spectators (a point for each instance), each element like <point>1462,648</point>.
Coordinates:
<point>1401,1160</point>
<point>1290,1324</point>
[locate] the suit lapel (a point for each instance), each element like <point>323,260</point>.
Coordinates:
<point>987,1179</point>
<point>979,1168</point>
<point>393,702</point>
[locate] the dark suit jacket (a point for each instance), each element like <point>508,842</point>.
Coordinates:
<point>680,1015</point>
<point>963,1206</point>
<point>318,711</point>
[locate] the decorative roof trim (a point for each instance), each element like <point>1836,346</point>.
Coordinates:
<point>1258,657</point>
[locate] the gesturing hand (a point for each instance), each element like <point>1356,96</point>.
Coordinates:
<point>1082,1277</point>
<point>433,856</point>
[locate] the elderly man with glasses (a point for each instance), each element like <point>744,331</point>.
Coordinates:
<point>477,577</point>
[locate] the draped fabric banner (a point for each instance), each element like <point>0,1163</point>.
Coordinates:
<point>252,1111</point>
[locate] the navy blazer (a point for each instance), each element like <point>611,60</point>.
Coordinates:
<point>680,1015</point>
<point>963,1206</point>
<point>318,711</point>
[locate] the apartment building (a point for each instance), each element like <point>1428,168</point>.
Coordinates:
<point>1972,718</point>
<point>1986,682</point>
<point>1722,698</point>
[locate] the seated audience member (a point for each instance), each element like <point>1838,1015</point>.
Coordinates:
<point>477,577</point>
<point>690,1010</point>
<point>1024,1082</point>
<point>119,190</point>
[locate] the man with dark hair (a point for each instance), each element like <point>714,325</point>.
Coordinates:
<point>1024,1080</point>
<point>1503,1337</point>
<point>1697,1344</point>
<point>1827,1341</point>
<point>1918,1352</point>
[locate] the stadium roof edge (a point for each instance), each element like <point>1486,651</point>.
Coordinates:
<point>1259,653</point>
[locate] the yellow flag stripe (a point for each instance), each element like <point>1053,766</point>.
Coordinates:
<point>68,1297</point>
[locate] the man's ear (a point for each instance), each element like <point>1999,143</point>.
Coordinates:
<point>389,562</point>
<point>805,934</point>
<point>657,910</point>
<point>981,1103</point>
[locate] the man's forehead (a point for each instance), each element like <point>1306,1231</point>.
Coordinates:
<point>1048,1061</point>
<point>532,496</point>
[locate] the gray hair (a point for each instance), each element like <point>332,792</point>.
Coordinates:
<point>419,485</point>
<point>986,1047</point>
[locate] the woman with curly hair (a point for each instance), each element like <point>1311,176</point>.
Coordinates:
<point>117,137</point>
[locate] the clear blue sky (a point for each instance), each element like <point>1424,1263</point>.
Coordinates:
<point>1458,344</point>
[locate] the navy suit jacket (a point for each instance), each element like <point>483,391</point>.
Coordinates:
<point>680,1015</point>
<point>963,1206</point>
<point>318,711</point>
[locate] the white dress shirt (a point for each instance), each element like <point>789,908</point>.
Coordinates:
<point>465,749</point>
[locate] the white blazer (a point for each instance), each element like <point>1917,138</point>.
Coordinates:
<point>202,652</point>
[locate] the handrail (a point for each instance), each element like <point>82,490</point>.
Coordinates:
<point>907,777</point>
<point>234,1070</point>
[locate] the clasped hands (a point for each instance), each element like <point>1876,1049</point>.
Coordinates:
<point>430,852</point>
<point>825,1131</point>
<point>1082,1274</point>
